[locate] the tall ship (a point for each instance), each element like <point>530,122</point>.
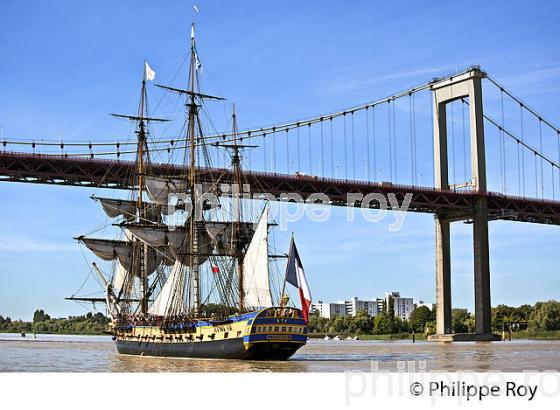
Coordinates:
<point>190,273</point>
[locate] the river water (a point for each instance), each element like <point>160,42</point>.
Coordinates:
<point>58,353</point>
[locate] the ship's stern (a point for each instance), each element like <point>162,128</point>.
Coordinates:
<point>275,334</point>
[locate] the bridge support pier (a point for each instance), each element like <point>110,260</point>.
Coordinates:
<point>481,253</point>
<point>467,85</point>
<point>443,276</point>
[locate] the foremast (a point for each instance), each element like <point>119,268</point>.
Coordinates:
<point>140,266</point>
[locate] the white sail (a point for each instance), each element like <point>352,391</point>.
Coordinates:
<point>119,278</point>
<point>256,281</point>
<point>173,286</point>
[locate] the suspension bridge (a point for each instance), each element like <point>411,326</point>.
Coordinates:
<point>493,157</point>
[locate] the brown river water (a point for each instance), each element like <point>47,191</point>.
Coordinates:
<point>57,353</point>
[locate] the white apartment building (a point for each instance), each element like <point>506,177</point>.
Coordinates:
<point>403,307</point>
<point>328,310</point>
<point>349,307</point>
<point>371,307</point>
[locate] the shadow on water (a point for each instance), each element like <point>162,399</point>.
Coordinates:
<point>122,363</point>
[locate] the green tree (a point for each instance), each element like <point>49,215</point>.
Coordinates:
<point>384,324</point>
<point>459,318</point>
<point>419,317</point>
<point>40,316</point>
<point>502,315</point>
<point>391,306</point>
<point>470,323</point>
<point>522,313</point>
<point>362,322</point>
<point>545,316</point>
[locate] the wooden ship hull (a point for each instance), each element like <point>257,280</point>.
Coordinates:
<point>268,334</point>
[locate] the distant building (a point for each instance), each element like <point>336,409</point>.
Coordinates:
<point>328,310</point>
<point>349,307</point>
<point>402,307</point>
<point>371,307</point>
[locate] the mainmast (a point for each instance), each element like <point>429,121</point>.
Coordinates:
<point>192,181</point>
<point>194,137</point>
<point>143,248</point>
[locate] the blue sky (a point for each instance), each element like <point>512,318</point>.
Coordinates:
<point>66,65</point>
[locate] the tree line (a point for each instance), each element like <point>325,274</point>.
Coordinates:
<point>89,324</point>
<point>542,316</point>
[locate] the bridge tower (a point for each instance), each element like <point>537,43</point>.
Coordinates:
<point>467,85</point>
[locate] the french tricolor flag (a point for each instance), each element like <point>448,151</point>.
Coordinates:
<point>296,276</point>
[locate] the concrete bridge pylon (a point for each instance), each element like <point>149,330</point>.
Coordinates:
<point>466,85</point>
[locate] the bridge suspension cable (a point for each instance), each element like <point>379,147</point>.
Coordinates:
<point>523,105</point>
<point>249,133</point>
<point>517,139</point>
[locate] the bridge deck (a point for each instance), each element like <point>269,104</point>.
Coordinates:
<point>115,174</point>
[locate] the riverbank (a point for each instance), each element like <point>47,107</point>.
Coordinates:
<point>30,333</point>
<point>522,335</point>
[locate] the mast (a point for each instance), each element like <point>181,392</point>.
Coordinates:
<point>140,172</point>
<point>195,274</point>
<point>141,250</point>
<point>237,182</point>
<point>236,162</point>
<point>194,227</point>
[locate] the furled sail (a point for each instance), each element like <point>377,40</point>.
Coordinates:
<point>109,249</point>
<point>173,289</point>
<point>256,281</point>
<point>127,208</point>
<point>160,188</point>
<point>175,239</point>
<point>221,234</point>
<point>118,207</point>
